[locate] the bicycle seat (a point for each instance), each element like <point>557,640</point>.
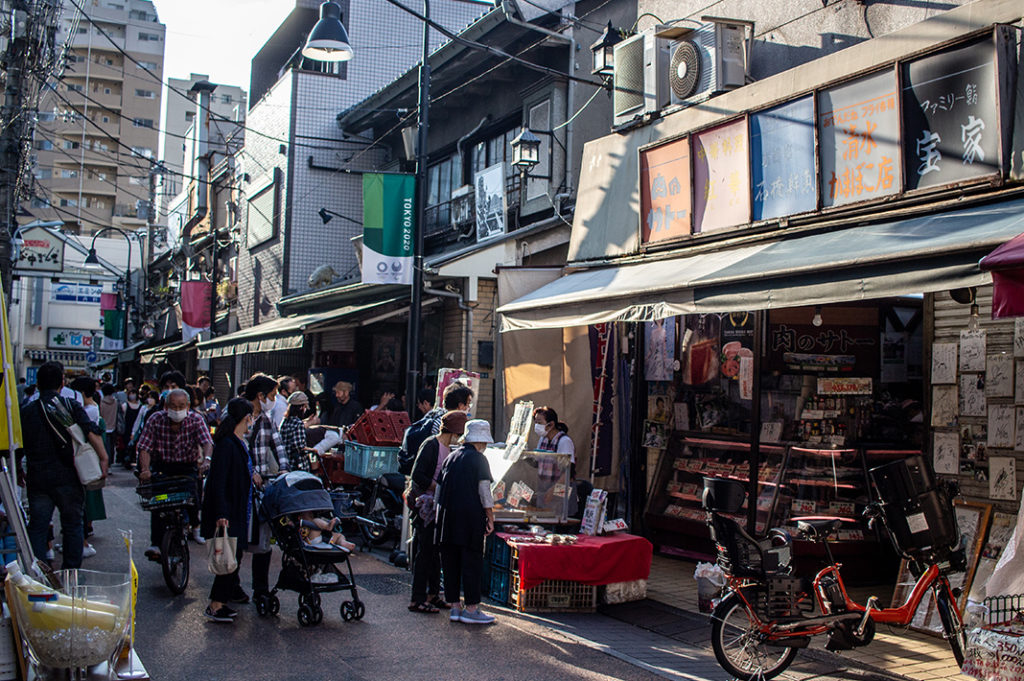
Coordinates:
<point>815,529</point>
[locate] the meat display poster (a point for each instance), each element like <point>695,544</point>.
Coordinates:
<point>700,356</point>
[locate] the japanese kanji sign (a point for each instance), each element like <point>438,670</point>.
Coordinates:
<point>40,251</point>
<point>858,129</point>
<point>721,178</point>
<point>950,123</point>
<point>665,191</point>
<point>782,160</point>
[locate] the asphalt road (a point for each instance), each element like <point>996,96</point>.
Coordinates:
<point>175,641</point>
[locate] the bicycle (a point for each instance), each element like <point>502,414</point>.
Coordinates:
<point>767,614</point>
<point>169,497</point>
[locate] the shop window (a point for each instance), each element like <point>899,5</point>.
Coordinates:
<point>263,214</point>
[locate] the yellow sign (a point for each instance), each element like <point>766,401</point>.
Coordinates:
<point>10,419</point>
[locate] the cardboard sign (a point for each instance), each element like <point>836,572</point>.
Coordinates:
<point>593,514</point>
<point>844,386</point>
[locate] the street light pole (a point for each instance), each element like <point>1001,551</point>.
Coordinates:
<point>416,298</point>
<point>92,260</point>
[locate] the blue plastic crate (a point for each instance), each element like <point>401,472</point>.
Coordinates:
<point>499,586</point>
<point>499,553</point>
<point>370,461</point>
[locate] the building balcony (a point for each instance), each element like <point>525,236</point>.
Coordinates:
<point>453,223</point>
<point>94,70</point>
<point>106,159</point>
<point>71,185</point>
<point>83,41</point>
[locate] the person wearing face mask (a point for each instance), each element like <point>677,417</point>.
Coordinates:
<point>426,567</point>
<point>130,411</point>
<point>174,441</point>
<point>554,436</point>
<point>293,432</point>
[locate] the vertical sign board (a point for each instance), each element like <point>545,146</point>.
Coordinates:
<point>950,116</point>
<point>782,160</point>
<point>721,177</point>
<point>858,140</point>
<point>665,192</point>
<point>490,202</point>
<point>389,218</point>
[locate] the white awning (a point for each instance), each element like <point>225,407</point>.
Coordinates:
<point>916,255</point>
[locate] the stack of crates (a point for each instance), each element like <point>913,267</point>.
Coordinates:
<point>380,428</point>
<point>551,595</point>
<point>497,573</point>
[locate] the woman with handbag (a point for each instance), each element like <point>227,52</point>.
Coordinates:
<point>227,504</point>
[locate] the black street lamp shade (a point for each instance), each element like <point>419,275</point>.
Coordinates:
<point>328,41</point>
<point>325,216</point>
<point>525,150</point>
<point>604,51</point>
<point>92,259</point>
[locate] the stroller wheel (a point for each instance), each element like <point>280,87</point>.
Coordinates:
<point>306,616</point>
<point>261,606</point>
<point>360,610</point>
<point>348,611</point>
<point>318,615</point>
<point>273,605</point>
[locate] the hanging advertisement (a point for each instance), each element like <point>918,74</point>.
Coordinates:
<point>665,191</point>
<point>389,212</point>
<point>721,178</point>
<point>490,202</point>
<point>40,251</point>
<point>858,138</point>
<point>782,160</point>
<point>70,292</point>
<point>950,116</point>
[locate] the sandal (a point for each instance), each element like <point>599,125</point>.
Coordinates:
<point>440,603</point>
<point>425,608</point>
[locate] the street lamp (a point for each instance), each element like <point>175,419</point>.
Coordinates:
<point>525,150</point>
<point>328,41</point>
<point>92,262</point>
<point>604,52</point>
<point>328,215</point>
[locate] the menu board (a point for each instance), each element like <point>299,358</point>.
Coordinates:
<point>721,177</point>
<point>782,160</point>
<point>665,191</point>
<point>950,115</point>
<point>859,132</point>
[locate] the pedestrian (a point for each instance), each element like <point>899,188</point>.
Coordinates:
<point>108,411</point>
<point>465,515</point>
<point>51,480</point>
<point>293,432</point>
<point>21,390</point>
<point>456,397</point>
<point>348,409</point>
<point>424,402</point>
<point>268,459</point>
<point>426,566</point>
<point>94,506</point>
<point>554,437</point>
<point>285,386</point>
<point>130,412</point>
<point>211,408</point>
<point>227,502</point>
<point>174,442</point>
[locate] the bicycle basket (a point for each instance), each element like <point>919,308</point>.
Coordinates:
<point>167,493</point>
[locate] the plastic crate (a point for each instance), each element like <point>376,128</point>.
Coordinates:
<point>167,493</point>
<point>554,596</point>
<point>498,585</point>
<point>379,427</point>
<point>370,461</point>
<point>499,553</point>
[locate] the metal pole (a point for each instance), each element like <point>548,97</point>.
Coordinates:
<point>12,119</point>
<point>415,300</point>
<point>127,288</point>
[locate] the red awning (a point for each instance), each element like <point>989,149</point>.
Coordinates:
<point>1007,266</point>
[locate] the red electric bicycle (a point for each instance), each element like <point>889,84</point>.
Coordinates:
<point>767,614</point>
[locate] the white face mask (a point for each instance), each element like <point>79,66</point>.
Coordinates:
<point>540,428</point>
<point>267,406</point>
<point>177,416</point>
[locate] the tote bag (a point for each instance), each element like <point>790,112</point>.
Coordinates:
<point>221,550</point>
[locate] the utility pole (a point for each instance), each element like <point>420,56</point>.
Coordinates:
<point>156,169</point>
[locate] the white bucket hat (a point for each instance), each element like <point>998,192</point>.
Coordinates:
<point>478,430</point>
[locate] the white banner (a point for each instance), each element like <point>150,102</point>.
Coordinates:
<point>490,202</point>
<point>386,269</point>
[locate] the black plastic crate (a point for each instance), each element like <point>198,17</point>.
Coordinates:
<point>500,583</point>
<point>499,553</point>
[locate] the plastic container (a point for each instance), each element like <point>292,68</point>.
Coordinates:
<point>369,461</point>
<point>918,513</point>
<point>723,495</point>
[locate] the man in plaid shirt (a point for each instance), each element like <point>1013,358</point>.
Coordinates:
<point>173,442</point>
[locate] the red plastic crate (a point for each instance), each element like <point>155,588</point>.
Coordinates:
<point>380,428</point>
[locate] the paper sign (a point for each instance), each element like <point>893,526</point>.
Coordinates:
<point>844,386</point>
<point>944,363</point>
<point>1019,440</point>
<point>972,397</point>
<point>681,411</point>
<point>1019,384</point>
<point>972,351</point>
<point>746,378</point>
<point>771,431</point>
<point>1000,426</point>
<point>1018,337</point>
<point>999,376</point>
<point>1002,478</point>
<point>944,405</point>
<point>593,514</point>
<point>946,453</point>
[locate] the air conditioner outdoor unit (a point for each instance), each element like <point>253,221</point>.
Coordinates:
<point>705,61</point>
<point>640,81</point>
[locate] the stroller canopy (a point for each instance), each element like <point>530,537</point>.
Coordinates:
<point>296,492</point>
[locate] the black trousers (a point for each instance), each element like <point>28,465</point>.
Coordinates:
<point>261,573</point>
<point>226,587</point>
<point>426,564</point>
<point>462,568</point>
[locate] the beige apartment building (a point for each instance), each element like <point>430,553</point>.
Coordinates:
<point>98,129</point>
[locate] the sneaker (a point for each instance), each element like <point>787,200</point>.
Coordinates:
<point>240,597</point>
<point>197,536</point>
<point>455,614</point>
<point>324,578</point>
<point>230,612</point>
<point>88,551</point>
<point>153,553</point>
<point>475,617</point>
<point>221,615</point>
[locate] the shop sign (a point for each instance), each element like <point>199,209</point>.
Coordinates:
<point>831,349</point>
<point>446,377</point>
<point>950,121</point>
<point>68,292</point>
<point>40,251</point>
<point>844,386</point>
<point>721,178</point>
<point>665,191</point>
<point>858,140</point>
<point>69,339</point>
<point>782,160</point>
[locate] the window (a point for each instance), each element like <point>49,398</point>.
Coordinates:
<point>150,37</point>
<point>68,144</point>
<point>83,29</point>
<point>105,119</point>
<point>107,91</point>
<point>46,116</point>
<point>442,179</point>
<point>190,116</point>
<point>43,173</point>
<point>262,214</point>
<point>145,152</point>
<point>74,87</point>
<point>142,122</point>
<point>146,65</point>
<point>40,203</point>
<point>135,180</point>
<point>69,203</point>
<point>226,99</point>
<point>146,94</point>
<point>44,145</point>
<point>114,5</point>
<point>68,173</point>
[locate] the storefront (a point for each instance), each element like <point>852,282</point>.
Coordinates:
<point>780,268</point>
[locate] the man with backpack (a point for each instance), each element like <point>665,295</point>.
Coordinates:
<point>456,397</point>
<point>51,480</point>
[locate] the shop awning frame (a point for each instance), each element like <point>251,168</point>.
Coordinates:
<point>921,254</point>
<point>284,333</point>
<point>160,352</point>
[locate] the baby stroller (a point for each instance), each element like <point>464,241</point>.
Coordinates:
<point>282,502</point>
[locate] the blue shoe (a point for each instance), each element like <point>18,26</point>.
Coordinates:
<point>475,617</point>
<point>455,613</point>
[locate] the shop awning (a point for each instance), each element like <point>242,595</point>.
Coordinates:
<point>66,357</point>
<point>284,333</point>
<point>160,352</point>
<point>915,255</point>
<point>1006,264</point>
<point>130,353</point>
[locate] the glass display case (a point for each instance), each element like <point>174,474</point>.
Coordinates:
<point>533,488</point>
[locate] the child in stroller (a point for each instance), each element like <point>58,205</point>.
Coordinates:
<point>301,512</point>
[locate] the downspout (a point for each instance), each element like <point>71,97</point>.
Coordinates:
<point>203,89</point>
<point>461,302</point>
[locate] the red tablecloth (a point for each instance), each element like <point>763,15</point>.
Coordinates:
<point>591,560</point>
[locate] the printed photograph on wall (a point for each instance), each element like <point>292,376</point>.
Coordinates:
<point>659,362</point>
<point>654,435</point>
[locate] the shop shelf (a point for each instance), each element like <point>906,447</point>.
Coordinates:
<point>370,461</point>
<point>554,596</point>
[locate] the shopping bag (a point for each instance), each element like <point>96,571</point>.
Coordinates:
<point>221,550</point>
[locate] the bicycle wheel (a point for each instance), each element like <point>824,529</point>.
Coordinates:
<point>174,559</point>
<point>952,623</point>
<point>738,646</point>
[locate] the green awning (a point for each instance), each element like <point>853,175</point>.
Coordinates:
<point>916,255</point>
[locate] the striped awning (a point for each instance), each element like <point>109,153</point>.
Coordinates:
<point>65,357</point>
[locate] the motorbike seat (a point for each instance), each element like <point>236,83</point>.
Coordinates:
<point>818,529</point>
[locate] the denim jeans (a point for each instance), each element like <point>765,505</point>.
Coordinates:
<point>70,501</point>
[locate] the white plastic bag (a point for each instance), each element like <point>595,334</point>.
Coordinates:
<point>710,580</point>
<point>221,553</point>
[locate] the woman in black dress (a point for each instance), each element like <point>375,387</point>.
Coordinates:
<point>227,501</point>
<point>465,515</point>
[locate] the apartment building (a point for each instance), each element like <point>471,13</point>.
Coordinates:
<point>98,124</point>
